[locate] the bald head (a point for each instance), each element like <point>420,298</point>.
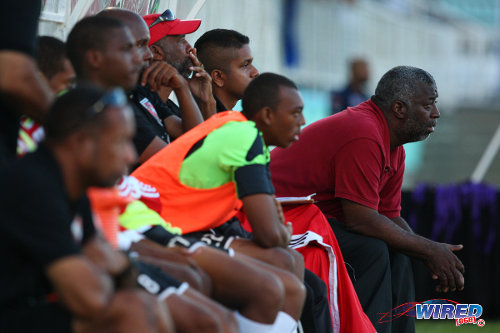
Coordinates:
<point>127,17</point>
<point>137,26</point>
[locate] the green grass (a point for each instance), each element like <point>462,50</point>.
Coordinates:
<point>448,326</point>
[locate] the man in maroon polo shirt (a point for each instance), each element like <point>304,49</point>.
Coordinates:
<point>354,162</point>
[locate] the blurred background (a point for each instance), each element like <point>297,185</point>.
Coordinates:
<point>337,50</point>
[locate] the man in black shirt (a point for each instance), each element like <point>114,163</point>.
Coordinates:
<point>51,283</point>
<point>169,45</point>
<point>154,120</point>
<point>228,59</point>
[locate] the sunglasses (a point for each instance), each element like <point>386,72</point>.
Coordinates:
<point>166,16</point>
<point>115,97</point>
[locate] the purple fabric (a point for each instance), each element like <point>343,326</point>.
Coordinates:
<point>447,212</point>
<point>418,199</point>
<point>453,204</point>
<point>481,200</point>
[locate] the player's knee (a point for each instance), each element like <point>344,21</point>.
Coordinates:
<point>134,306</point>
<point>282,258</point>
<point>271,296</point>
<point>229,322</point>
<point>203,322</point>
<point>298,290</point>
<point>377,252</point>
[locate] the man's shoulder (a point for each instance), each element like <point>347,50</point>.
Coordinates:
<point>39,167</point>
<point>236,133</point>
<point>31,181</point>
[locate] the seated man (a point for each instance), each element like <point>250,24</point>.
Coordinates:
<point>120,62</point>
<point>50,283</point>
<point>234,155</point>
<point>354,161</point>
<point>228,59</point>
<point>169,46</point>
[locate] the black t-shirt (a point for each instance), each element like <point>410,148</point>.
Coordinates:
<point>149,111</point>
<point>18,29</point>
<point>219,106</point>
<point>39,224</point>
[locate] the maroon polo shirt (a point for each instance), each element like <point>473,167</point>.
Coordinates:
<point>346,155</point>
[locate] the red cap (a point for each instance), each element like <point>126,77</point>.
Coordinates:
<point>169,27</point>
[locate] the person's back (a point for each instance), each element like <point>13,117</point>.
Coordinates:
<point>195,187</point>
<point>308,165</point>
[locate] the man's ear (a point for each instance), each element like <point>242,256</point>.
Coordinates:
<point>94,58</point>
<point>158,53</point>
<point>218,77</point>
<point>82,143</point>
<point>266,115</point>
<point>399,110</point>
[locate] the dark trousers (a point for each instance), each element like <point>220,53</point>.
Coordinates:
<point>316,317</point>
<point>382,278</point>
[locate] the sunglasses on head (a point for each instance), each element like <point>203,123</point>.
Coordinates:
<point>165,16</point>
<point>115,97</point>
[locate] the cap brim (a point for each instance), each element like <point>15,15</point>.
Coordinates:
<point>184,27</point>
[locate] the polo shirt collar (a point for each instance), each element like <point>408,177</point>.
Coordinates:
<point>385,134</point>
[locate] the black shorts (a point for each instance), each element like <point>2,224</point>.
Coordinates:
<point>219,238</point>
<point>157,282</point>
<point>222,236</point>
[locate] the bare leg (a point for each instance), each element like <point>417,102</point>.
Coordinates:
<point>256,293</point>
<point>192,312</point>
<point>130,311</point>
<point>287,259</point>
<point>295,292</point>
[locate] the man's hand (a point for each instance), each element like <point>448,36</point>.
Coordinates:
<point>446,267</point>
<point>159,74</point>
<point>200,85</point>
<point>279,209</point>
<point>267,224</point>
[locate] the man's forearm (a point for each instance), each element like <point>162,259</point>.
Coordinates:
<point>22,85</point>
<point>395,236</point>
<point>402,223</point>
<point>191,115</point>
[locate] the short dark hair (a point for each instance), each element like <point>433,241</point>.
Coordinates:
<point>264,91</point>
<point>398,84</point>
<point>50,55</point>
<point>91,33</point>
<point>209,45</point>
<point>71,112</point>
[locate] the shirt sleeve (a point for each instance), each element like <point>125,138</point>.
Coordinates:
<point>357,168</point>
<point>248,158</point>
<point>144,133</point>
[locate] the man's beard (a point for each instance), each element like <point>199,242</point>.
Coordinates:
<point>183,68</point>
